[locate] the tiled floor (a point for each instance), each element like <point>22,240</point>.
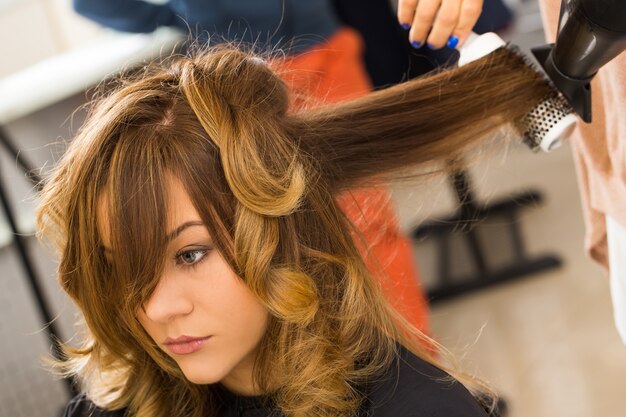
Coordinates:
<point>546,342</point>
<point>26,388</point>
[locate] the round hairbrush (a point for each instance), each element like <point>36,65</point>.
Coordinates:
<point>546,124</point>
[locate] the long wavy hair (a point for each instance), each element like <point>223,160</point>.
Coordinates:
<point>264,179</point>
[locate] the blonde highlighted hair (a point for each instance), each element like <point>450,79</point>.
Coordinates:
<point>264,181</point>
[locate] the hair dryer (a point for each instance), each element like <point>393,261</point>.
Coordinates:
<point>591,33</point>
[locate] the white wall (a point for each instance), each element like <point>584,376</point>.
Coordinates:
<point>33,30</point>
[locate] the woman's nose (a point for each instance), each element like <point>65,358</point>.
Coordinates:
<point>169,300</point>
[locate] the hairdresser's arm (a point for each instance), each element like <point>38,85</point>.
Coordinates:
<point>127,15</point>
<point>442,18</point>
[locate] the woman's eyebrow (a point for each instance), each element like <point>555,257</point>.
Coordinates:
<point>171,236</point>
<point>174,233</point>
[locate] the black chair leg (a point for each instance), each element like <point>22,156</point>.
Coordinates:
<point>20,159</point>
<point>468,216</point>
<point>26,261</point>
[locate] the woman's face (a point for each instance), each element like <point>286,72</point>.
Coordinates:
<point>201,314</point>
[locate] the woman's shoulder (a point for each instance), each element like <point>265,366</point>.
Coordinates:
<point>81,406</point>
<point>412,387</point>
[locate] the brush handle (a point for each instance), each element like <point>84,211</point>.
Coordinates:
<point>477,46</point>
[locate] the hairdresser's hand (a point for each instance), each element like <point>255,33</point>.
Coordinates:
<point>448,21</point>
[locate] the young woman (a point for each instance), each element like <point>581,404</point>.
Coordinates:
<point>200,236</point>
<point>323,61</point>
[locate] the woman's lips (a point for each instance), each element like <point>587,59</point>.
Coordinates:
<point>185,345</point>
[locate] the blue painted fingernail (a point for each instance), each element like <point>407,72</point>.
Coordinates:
<point>431,46</point>
<point>453,41</point>
<point>416,44</point>
<point>405,26</point>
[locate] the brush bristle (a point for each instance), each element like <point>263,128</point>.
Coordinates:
<point>540,121</point>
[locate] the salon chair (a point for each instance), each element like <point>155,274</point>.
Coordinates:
<point>390,59</point>
<point>41,86</point>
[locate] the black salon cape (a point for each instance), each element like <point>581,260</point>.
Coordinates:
<point>410,388</point>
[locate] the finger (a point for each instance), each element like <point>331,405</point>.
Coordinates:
<point>469,13</point>
<point>406,10</point>
<point>423,20</point>
<point>445,23</point>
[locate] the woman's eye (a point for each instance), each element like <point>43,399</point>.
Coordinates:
<point>191,257</point>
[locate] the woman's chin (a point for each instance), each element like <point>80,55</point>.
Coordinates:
<point>202,376</point>
<point>201,379</point>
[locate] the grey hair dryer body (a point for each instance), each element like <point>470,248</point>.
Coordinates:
<point>591,33</point>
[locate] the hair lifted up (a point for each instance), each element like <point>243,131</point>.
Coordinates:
<point>264,180</point>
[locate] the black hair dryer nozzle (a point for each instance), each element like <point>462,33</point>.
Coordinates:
<point>591,33</point>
